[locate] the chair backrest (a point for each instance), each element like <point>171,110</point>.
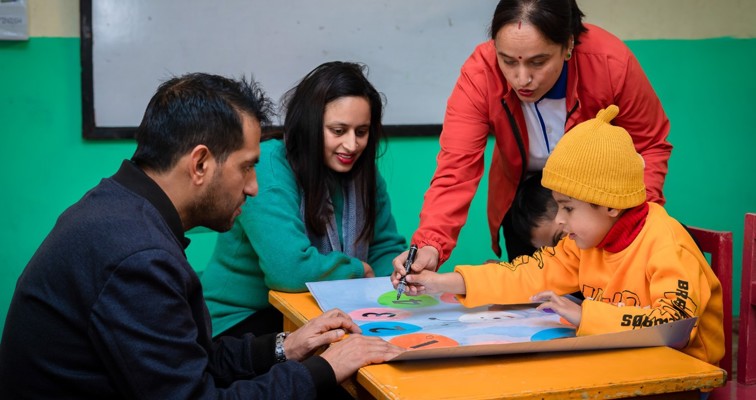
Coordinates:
<point>719,245</point>
<point>747,332</point>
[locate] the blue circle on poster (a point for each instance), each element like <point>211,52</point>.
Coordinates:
<point>388,328</point>
<point>554,333</point>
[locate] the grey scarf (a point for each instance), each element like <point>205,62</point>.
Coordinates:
<point>351,226</point>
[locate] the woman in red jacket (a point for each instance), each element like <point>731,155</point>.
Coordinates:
<point>542,72</point>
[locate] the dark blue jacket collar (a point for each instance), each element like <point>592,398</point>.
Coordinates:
<point>559,90</point>
<point>134,179</point>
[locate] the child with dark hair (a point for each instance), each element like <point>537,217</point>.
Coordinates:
<point>533,212</point>
<point>322,211</point>
<point>533,221</point>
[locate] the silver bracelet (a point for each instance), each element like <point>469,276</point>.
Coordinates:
<point>280,354</point>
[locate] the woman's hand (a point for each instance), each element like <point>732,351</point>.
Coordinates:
<point>368,270</point>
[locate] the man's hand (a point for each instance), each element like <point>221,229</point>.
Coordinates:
<point>357,351</point>
<point>318,332</point>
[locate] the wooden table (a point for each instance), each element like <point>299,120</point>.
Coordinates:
<point>656,372</point>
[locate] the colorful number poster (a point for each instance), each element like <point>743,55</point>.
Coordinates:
<point>435,326</point>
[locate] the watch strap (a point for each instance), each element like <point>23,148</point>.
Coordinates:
<point>280,353</point>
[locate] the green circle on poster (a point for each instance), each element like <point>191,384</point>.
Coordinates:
<point>389,299</point>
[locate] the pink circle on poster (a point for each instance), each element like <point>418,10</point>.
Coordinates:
<point>449,298</point>
<point>379,314</point>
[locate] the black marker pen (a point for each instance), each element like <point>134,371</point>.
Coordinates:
<point>407,269</point>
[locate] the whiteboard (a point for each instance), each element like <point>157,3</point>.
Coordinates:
<point>413,49</point>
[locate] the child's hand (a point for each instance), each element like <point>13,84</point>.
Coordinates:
<point>428,282</point>
<point>426,258</point>
<point>561,305</point>
<point>421,283</point>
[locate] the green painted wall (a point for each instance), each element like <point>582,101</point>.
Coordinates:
<point>706,87</point>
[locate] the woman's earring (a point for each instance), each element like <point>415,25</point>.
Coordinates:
<point>569,55</point>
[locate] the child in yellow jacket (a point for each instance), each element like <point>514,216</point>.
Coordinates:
<point>635,265</point>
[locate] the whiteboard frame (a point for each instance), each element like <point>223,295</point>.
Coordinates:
<point>91,131</point>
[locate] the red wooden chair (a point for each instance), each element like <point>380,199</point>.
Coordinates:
<point>745,385</point>
<point>719,245</point>
<point>747,339</point>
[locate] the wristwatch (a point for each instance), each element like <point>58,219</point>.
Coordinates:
<point>280,354</point>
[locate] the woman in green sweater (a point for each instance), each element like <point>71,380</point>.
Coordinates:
<point>322,211</point>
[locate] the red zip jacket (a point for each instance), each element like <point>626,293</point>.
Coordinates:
<point>601,72</point>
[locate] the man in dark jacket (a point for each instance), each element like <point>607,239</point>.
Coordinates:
<point>109,307</point>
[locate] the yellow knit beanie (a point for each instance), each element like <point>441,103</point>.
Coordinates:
<point>596,162</point>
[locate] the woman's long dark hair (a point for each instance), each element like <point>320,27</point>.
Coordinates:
<point>303,137</point>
